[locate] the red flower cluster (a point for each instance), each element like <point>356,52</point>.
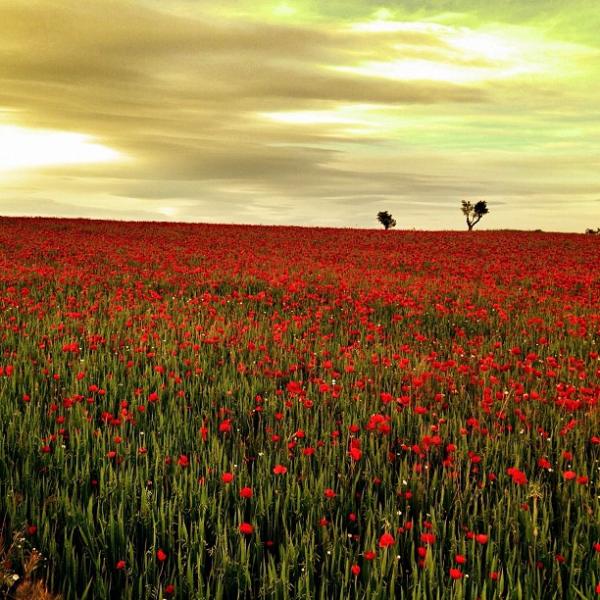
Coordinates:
<point>252,398</point>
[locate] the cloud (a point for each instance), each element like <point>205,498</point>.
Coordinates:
<point>182,96</point>
<point>185,95</point>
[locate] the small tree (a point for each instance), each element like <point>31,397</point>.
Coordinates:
<point>386,219</point>
<point>474,212</point>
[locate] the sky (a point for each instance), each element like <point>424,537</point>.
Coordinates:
<point>302,112</point>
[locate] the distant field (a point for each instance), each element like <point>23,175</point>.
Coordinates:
<point>212,411</point>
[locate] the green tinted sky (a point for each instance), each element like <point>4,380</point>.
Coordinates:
<point>302,112</point>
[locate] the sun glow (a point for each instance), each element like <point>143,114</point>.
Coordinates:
<point>22,148</point>
<point>168,211</point>
<point>420,69</point>
<point>352,119</point>
<point>469,55</point>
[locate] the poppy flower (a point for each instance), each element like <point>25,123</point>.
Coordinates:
<point>161,555</point>
<point>428,538</point>
<point>456,573</point>
<point>355,570</point>
<point>481,538</point>
<point>225,426</point>
<point>246,492</point>
<point>518,476</point>
<point>386,540</point>
<point>329,493</point>
<point>279,470</point>
<point>355,453</point>
<point>121,564</point>
<point>227,477</point>
<point>246,528</point>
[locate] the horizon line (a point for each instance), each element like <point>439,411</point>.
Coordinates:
<point>279,225</point>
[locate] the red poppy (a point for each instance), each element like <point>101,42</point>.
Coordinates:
<point>279,470</point>
<point>225,426</point>
<point>329,493</point>
<point>161,555</point>
<point>246,492</point>
<point>386,540</point>
<point>518,476</point>
<point>355,570</point>
<point>246,528</point>
<point>456,573</point>
<point>120,565</point>
<point>428,538</point>
<point>227,477</point>
<point>355,453</point>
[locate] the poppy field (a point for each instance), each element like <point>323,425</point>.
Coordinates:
<point>219,411</point>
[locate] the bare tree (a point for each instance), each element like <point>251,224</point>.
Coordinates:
<point>386,219</point>
<point>474,212</point>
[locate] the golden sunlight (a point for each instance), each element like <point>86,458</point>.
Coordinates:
<point>470,56</point>
<point>23,148</point>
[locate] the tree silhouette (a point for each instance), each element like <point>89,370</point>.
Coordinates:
<point>474,212</point>
<point>386,219</point>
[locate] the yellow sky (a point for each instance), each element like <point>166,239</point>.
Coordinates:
<point>307,112</point>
